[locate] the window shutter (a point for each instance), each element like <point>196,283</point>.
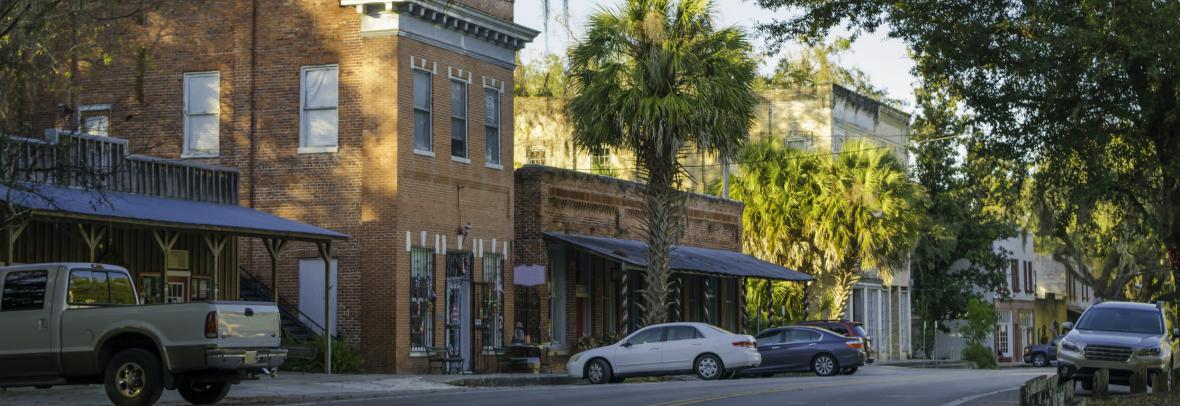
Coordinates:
<point>321,94</point>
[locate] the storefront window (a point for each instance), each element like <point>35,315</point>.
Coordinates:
<point>421,299</point>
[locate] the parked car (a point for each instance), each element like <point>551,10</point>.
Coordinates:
<point>1119,336</point>
<point>1041,355</point>
<point>667,349</point>
<point>72,323</point>
<point>799,349</point>
<point>846,328</point>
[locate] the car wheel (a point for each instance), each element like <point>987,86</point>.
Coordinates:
<point>708,367</point>
<point>849,371</point>
<point>825,365</point>
<point>202,393</point>
<point>1040,360</point>
<point>598,372</point>
<point>133,378</point>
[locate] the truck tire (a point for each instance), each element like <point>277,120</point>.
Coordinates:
<point>202,393</point>
<point>134,378</point>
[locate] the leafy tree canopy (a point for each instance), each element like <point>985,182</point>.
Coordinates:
<point>1094,84</point>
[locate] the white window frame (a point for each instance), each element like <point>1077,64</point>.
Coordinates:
<point>93,108</point>
<point>499,164</point>
<point>303,117</point>
<point>429,113</point>
<point>466,120</point>
<point>187,151</point>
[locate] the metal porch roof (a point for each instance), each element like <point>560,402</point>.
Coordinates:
<point>684,258</point>
<point>64,202</point>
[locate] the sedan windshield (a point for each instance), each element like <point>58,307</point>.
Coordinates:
<point>1122,320</point>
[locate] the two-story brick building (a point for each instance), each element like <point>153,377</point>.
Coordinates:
<point>389,121</point>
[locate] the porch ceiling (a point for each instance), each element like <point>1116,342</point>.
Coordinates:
<point>52,201</point>
<point>684,258</point>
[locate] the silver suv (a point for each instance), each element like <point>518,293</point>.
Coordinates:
<point>1122,337</point>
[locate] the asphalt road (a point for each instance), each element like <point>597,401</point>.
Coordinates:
<point>876,386</point>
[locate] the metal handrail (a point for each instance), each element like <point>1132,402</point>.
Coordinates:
<point>287,308</point>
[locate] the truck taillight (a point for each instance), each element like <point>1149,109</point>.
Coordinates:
<point>747,344</point>
<point>211,325</point>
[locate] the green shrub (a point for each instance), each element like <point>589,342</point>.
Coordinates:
<point>980,321</point>
<point>345,359</point>
<point>981,356</point>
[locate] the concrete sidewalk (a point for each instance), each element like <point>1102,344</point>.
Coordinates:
<point>293,387</point>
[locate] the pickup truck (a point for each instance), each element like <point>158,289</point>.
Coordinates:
<point>81,323</point>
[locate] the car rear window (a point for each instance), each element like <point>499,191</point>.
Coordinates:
<point>860,331</point>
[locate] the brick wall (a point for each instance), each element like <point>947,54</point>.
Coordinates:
<point>373,188</point>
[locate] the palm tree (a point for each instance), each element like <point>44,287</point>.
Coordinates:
<point>658,78</point>
<point>866,217</point>
<point>828,215</point>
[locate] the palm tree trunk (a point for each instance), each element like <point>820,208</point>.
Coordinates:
<point>845,278</point>
<point>661,224</point>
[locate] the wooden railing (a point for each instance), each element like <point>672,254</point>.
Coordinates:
<point>103,163</point>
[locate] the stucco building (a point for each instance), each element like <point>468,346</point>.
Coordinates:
<point>389,121</point>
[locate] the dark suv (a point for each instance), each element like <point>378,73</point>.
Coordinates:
<point>847,328</point>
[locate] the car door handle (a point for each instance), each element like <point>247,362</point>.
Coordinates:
<point>655,348</point>
<point>775,348</point>
<point>811,345</point>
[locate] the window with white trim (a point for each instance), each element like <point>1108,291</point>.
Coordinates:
<point>491,126</point>
<point>202,114</point>
<point>422,110</point>
<point>458,119</point>
<point>319,129</point>
<point>95,119</point>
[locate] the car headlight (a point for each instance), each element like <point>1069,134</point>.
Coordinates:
<point>1027,350</point>
<point>1068,346</point>
<point>575,358</point>
<point>1148,352</point>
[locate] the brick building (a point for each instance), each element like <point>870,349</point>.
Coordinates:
<point>389,121</point>
<point>580,236</point>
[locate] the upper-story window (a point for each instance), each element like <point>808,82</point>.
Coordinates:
<point>422,110</point>
<point>536,156</point>
<point>491,101</point>
<point>202,114</point>
<point>1014,265</point>
<point>95,119</point>
<point>319,129</point>
<point>459,119</point>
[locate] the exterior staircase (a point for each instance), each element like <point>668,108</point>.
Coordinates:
<point>294,327</point>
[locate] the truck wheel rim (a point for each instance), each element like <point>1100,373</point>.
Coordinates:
<point>595,372</point>
<point>823,365</point>
<point>129,379</point>
<point>707,367</point>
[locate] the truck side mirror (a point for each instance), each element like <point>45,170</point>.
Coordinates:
<point>1067,326</point>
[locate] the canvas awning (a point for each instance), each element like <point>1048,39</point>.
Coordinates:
<point>684,258</point>
<point>52,201</point>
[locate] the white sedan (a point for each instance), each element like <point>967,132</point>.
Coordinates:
<point>668,349</point>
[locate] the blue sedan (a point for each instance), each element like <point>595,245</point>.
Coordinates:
<point>801,349</point>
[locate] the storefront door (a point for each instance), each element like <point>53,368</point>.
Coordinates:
<point>458,306</point>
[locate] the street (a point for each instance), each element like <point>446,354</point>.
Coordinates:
<point>879,386</point>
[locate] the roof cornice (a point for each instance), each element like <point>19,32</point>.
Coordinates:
<point>456,17</point>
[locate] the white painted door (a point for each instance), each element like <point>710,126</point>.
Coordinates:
<point>311,293</point>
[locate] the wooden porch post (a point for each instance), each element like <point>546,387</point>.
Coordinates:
<point>273,247</point>
<point>13,232</point>
<point>216,244</point>
<point>626,309</point>
<point>166,240</point>
<point>92,235</point>
<point>326,253</point>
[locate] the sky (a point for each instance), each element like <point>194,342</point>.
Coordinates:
<point>885,60</point>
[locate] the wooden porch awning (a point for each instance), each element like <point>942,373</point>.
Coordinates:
<point>52,201</point>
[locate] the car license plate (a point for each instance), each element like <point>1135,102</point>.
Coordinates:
<point>251,357</point>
